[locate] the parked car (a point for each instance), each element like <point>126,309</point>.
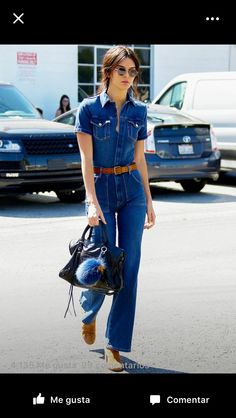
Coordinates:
<point>178,148</point>
<point>36,155</point>
<point>212,97</point>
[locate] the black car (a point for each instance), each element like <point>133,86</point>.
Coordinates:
<point>178,148</point>
<point>36,155</point>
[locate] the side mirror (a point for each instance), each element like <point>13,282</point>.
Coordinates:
<point>177,104</point>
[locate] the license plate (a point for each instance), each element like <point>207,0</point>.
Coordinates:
<point>185,149</point>
<point>56,165</point>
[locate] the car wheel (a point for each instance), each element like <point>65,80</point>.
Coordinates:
<point>71,196</point>
<point>193,186</point>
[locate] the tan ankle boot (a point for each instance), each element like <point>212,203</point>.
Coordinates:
<point>113,360</point>
<point>89,332</point>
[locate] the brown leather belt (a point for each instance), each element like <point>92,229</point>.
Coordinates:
<point>115,170</point>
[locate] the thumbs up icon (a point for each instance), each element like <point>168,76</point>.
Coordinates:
<point>39,400</point>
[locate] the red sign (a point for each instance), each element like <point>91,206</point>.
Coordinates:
<point>29,58</point>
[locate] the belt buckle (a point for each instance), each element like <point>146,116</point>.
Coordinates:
<point>116,168</point>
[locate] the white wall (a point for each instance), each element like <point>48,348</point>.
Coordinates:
<point>44,83</point>
<point>172,60</point>
<point>56,70</point>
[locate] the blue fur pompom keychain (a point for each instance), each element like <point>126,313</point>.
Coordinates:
<point>90,271</point>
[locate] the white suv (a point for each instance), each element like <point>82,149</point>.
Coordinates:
<point>210,97</point>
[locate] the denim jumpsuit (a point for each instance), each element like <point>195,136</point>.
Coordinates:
<point>122,200</point>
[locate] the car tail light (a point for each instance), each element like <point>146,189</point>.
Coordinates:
<point>214,144</point>
<point>149,146</point>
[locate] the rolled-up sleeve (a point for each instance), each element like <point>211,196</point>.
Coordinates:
<point>142,134</point>
<point>82,121</point>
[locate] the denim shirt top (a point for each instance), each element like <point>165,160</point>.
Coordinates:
<point>97,116</point>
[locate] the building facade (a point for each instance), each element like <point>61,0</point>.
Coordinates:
<point>45,72</point>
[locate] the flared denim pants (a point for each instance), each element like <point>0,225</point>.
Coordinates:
<point>123,203</point>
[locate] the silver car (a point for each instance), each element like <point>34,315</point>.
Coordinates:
<point>178,148</point>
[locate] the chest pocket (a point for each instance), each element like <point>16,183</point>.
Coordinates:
<point>134,127</point>
<point>101,129</point>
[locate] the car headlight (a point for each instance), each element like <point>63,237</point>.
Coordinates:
<point>9,146</point>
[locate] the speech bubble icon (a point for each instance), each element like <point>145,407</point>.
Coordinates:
<point>155,399</point>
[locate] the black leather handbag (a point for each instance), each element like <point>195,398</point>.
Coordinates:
<point>97,266</point>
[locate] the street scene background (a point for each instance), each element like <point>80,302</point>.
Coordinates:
<point>186,306</point>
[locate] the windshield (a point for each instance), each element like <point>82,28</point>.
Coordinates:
<point>14,105</point>
<point>168,118</point>
<point>152,117</point>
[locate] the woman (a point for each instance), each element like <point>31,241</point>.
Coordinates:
<point>64,105</point>
<point>111,128</point>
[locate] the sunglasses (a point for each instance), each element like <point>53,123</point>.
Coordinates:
<point>131,71</point>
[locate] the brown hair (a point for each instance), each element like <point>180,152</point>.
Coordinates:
<point>110,61</point>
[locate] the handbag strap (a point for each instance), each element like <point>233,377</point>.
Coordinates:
<point>103,229</point>
<point>88,228</point>
<point>71,299</point>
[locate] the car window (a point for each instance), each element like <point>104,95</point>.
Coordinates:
<point>174,96</point>
<point>14,104</point>
<point>215,94</point>
<point>68,119</point>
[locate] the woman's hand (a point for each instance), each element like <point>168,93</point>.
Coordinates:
<point>94,214</point>
<point>151,216</point>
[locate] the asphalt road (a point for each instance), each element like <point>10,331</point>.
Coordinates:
<point>186,308</point>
